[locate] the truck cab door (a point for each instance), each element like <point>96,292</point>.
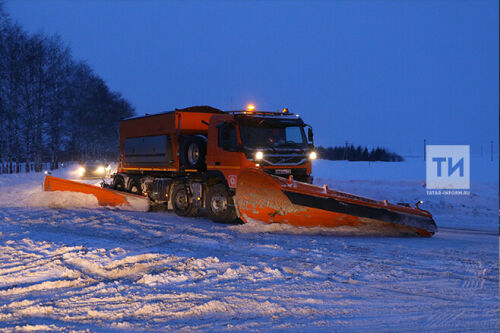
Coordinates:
<point>223,152</point>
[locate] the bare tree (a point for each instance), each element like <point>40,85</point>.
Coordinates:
<point>51,107</point>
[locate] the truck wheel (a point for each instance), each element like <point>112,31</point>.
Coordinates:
<point>193,152</point>
<point>134,186</point>
<point>220,205</point>
<point>118,182</point>
<point>182,202</point>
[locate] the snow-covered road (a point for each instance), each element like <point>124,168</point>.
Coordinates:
<point>104,269</point>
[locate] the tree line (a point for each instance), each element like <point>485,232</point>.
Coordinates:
<point>53,108</point>
<point>351,153</point>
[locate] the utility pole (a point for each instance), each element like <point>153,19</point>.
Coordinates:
<point>425,153</point>
<point>491,151</point>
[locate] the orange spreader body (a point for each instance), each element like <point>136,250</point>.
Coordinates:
<point>105,197</point>
<point>272,199</point>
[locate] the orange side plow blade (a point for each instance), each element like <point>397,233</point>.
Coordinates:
<point>272,199</point>
<point>105,197</point>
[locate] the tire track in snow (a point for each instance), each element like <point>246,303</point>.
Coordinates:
<point>326,281</point>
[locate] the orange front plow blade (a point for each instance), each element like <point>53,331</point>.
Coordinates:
<point>105,197</point>
<point>272,199</point>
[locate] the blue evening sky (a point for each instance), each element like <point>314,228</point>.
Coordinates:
<point>385,73</point>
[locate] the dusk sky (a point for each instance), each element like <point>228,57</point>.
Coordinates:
<point>387,73</point>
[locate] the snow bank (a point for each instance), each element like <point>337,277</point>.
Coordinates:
<point>61,199</point>
<point>67,199</point>
<point>255,226</point>
<point>30,194</point>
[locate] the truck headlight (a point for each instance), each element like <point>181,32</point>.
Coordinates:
<point>313,155</point>
<point>80,171</point>
<point>259,155</point>
<point>100,169</point>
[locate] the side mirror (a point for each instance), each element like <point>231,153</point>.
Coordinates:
<point>310,135</point>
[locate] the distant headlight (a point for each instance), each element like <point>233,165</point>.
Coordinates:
<point>80,171</point>
<point>313,155</point>
<point>100,169</point>
<point>259,155</point>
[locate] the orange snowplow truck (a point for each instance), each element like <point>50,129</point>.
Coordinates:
<point>191,158</point>
<point>250,164</point>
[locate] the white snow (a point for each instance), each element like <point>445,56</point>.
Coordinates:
<point>25,190</point>
<point>136,204</point>
<point>66,265</point>
<point>61,199</point>
<point>254,226</point>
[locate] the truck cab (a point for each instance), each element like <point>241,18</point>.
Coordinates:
<point>191,158</point>
<point>275,142</point>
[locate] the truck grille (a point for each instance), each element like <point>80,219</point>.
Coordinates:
<point>282,159</point>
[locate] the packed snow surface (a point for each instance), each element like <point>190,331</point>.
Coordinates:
<point>66,264</point>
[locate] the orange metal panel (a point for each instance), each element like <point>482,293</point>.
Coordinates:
<point>173,123</point>
<point>104,196</point>
<point>146,168</point>
<point>192,122</point>
<point>261,197</point>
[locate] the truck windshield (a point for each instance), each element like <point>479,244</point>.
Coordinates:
<point>274,133</point>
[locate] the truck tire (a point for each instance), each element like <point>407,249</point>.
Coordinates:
<point>181,201</point>
<point>220,205</point>
<point>134,186</point>
<point>119,182</point>
<point>193,151</point>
